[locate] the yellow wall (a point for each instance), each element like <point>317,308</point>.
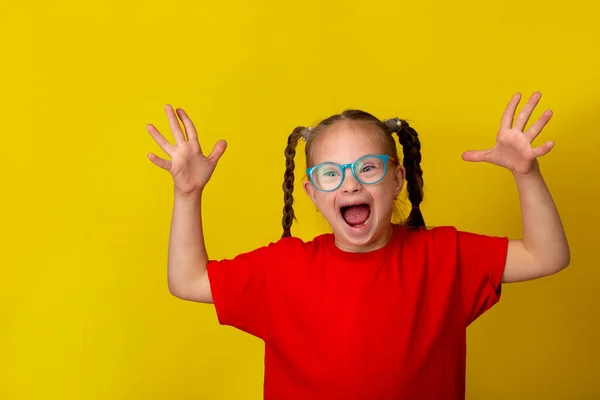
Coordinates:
<point>85,311</point>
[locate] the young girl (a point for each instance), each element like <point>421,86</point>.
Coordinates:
<point>374,310</point>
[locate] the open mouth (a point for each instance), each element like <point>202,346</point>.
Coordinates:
<point>356,215</point>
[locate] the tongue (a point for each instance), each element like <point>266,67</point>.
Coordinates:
<point>356,215</point>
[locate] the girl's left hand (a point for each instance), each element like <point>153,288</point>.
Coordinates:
<point>513,146</point>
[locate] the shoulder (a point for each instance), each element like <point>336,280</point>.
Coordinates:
<point>284,245</point>
<point>445,234</point>
<point>294,246</point>
<point>448,240</point>
<point>296,250</point>
<point>431,235</point>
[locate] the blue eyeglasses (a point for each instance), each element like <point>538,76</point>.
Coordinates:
<point>367,170</point>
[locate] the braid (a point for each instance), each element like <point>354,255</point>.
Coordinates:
<point>411,148</point>
<point>288,181</point>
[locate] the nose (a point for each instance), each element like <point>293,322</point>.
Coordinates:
<point>350,185</point>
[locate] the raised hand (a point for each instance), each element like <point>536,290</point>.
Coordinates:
<point>190,169</point>
<point>513,145</point>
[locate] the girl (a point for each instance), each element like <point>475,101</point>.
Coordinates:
<point>374,310</point>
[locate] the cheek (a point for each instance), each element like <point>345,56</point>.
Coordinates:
<point>325,201</point>
<point>384,194</point>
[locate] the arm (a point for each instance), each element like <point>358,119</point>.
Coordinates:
<point>187,275</point>
<point>543,250</point>
<point>191,171</point>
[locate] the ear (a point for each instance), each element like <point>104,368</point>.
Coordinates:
<point>399,179</point>
<point>309,189</point>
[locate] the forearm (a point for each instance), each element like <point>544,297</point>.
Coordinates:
<point>543,233</point>
<point>187,252</point>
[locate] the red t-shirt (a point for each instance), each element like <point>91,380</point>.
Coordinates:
<point>388,324</point>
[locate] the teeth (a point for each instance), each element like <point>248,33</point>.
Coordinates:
<point>363,224</point>
<point>354,204</point>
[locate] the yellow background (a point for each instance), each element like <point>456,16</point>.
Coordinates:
<point>85,311</point>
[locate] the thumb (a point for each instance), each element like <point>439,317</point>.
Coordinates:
<point>474,155</point>
<point>217,151</point>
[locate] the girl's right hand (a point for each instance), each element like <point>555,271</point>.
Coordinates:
<point>190,169</point>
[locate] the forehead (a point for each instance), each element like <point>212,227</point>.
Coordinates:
<point>347,141</point>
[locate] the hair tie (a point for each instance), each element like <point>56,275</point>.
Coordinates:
<point>393,124</point>
<point>415,207</point>
<point>306,133</point>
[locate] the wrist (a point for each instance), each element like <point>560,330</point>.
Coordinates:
<point>532,176</point>
<point>187,197</point>
<point>534,170</point>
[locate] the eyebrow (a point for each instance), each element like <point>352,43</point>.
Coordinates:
<point>348,163</point>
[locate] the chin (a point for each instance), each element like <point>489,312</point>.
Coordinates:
<point>363,235</point>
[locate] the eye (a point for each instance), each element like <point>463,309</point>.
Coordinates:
<point>369,165</point>
<point>327,171</point>
<point>367,168</point>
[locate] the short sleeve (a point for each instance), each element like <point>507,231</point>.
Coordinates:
<point>240,287</point>
<point>481,261</point>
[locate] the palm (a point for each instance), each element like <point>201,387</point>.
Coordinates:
<point>513,145</point>
<point>190,169</point>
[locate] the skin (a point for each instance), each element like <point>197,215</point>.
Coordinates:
<point>345,142</point>
<point>191,170</point>
<point>542,251</point>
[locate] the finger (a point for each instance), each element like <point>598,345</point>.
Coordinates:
<point>475,155</point>
<point>509,112</point>
<point>538,126</point>
<point>543,149</point>
<point>161,162</point>
<point>525,113</point>
<point>218,151</point>
<point>160,139</point>
<point>174,123</point>
<point>190,129</point>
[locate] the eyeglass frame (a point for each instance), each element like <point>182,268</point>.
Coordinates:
<point>383,157</point>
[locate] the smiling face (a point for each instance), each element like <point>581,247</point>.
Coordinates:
<point>359,214</point>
